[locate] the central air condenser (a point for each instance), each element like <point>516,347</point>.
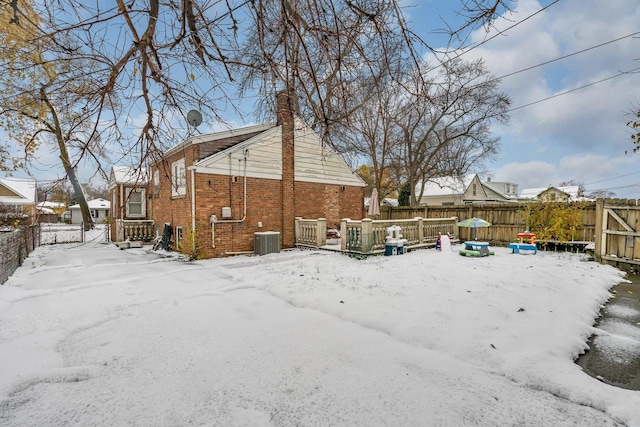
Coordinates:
<point>266,242</point>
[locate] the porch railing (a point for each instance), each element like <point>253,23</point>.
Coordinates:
<point>135,230</point>
<point>369,236</point>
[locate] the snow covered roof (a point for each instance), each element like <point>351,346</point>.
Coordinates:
<point>51,205</point>
<point>532,193</point>
<point>445,186</point>
<point>95,204</point>
<point>128,175</point>
<point>47,211</point>
<point>18,191</point>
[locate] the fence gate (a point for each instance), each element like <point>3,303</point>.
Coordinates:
<point>617,235</point>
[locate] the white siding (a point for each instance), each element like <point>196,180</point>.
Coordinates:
<point>313,161</point>
<point>264,158</point>
<point>316,162</point>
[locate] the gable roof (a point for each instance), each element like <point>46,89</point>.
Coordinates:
<point>533,193</point>
<point>18,191</point>
<point>216,142</point>
<point>261,152</point>
<point>95,204</point>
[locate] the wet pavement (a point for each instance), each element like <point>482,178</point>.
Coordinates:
<point>614,354</point>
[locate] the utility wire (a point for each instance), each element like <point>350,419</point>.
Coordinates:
<point>622,73</point>
<point>567,56</point>
<point>611,179</point>
<point>499,33</point>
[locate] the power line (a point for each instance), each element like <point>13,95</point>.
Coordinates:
<point>567,56</point>
<point>611,179</point>
<point>622,73</point>
<point>501,32</point>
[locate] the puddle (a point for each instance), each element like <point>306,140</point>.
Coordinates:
<point>614,351</point>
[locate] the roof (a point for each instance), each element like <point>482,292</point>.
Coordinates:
<point>220,141</point>
<point>445,186</point>
<point>128,175</point>
<point>533,193</point>
<point>95,204</point>
<point>20,191</point>
<point>47,204</point>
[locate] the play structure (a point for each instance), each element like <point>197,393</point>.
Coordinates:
<point>477,249</point>
<point>394,243</point>
<point>526,242</point>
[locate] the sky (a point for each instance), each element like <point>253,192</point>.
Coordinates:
<point>552,136</point>
<point>94,335</point>
<point>582,135</point>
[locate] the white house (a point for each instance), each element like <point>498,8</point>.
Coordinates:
<point>451,190</point>
<point>552,194</point>
<point>99,209</point>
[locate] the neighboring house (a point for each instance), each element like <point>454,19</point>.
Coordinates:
<point>57,207</point>
<point>50,211</point>
<point>215,191</point>
<point>467,189</point>
<point>18,196</point>
<point>130,202</point>
<point>552,194</point>
<point>98,208</point>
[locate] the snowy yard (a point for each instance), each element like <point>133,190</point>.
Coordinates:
<point>92,335</point>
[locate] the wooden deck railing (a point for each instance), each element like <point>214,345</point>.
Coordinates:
<point>369,236</point>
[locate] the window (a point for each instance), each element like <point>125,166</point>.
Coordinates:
<point>474,189</point>
<point>178,178</point>
<point>135,203</point>
<point>178,234</point>
<point>156,183</point>
<point>94,213</point>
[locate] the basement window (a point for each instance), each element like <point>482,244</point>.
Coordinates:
<point>179,234</point>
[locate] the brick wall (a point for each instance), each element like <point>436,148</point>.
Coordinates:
<point>332,202</point>
<point>264,205</point>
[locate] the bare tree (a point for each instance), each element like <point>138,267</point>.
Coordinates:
<point>371,137</point>
<point>445,121</point>
<point>155,60</point>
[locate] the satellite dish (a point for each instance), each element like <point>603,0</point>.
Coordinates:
<point>194,118</point>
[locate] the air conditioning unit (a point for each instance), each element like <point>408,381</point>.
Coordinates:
<point>266,242</point>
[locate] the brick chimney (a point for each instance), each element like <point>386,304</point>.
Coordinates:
<point>285,105</point>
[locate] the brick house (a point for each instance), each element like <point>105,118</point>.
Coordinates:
<point>217,190</point>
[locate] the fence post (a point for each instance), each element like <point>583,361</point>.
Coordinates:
<point>321,232</point>
<point>296,232</point>
<point>600,237</point>
<point>343,233</point>
<point>367,235</point>
<point>420,230</point>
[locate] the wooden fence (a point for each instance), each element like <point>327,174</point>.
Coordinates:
<point>618,236</point>
<point>507,220</point>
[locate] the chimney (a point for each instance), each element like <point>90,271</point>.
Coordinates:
<point>285,105</point>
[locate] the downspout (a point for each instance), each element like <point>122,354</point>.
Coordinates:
<point>193,211</point>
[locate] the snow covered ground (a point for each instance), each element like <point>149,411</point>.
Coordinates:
<point>92,335</point>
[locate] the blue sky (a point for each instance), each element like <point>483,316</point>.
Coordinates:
<point>578,136</point>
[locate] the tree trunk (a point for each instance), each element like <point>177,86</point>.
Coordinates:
<point>56,129</point>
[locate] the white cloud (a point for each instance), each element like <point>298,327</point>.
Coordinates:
<point>580,133</point>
